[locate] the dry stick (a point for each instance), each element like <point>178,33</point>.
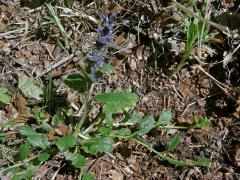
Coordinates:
<point>221,85</point>
<point>222,28</point>
<point>56,65</point>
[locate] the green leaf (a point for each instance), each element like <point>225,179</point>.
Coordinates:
<point>28,87</point>
<point>27,174</point>
<point>57,118</point>
<point>146,125</point>
<point>116,102</point>
<point>87,176</point>
<point>174,143</point>
<point>77,82</point>
<point>77,159</point>
<point>26,130</point>
<point>34,138</point>
<point>66,142</point>
<point>122,132</point>
<point>165,117</point>
<point>24,151</point>
<point>46,126</point>
<point>3,95</point>
<point>106,68</point>
<point>99,144</point>
<point>38,140</point>
<point>105,131</point>
<point>69,3</point>
<point>135,118</point>
<point>3,90</point>
<point>203,161</point>
<point>201,123</point>
<point>42,157</point>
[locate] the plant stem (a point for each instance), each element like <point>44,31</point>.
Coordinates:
<point>82,119</point>
<point>167,158</point>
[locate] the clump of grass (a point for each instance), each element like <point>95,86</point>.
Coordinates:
<point>197,32</point>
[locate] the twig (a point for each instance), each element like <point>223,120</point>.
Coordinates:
<point>218,83</point>
<point>56,65</point>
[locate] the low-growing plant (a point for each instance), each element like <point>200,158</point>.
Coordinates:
<point>100,135</point>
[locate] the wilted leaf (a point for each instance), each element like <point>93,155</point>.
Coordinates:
<point>3,95</point>
<point>24,151</point>
<point>99,144</point>
<point>174,143</point>
<point>146,125</point>
<point>77,82</point>
<point>165,117</point>
<point>66,142</point>
<point>28,87</point>
<point>77,159</point>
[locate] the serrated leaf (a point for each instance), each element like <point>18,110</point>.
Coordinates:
<point>99,144</point>
<point>116,102</point>
<point>122,132</point>
<point>3,95</point>
<point>28,87</point>
<point>146,125</point>
<point>77,82</point>
<point>201,123</point>
<point>106,68</point>
<point>174,143</point>
<point>165,117</point>
<point>66,142</point>
<point>203,161</point>
<point>24,151</point>
<point>43,156</point>
<point>77,159</point>
<point>38,140</point>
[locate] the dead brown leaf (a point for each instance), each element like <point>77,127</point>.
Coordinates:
<point>21,105</point>
<point>63,129</point>
<point>3,26</point>
<point>185,120</point>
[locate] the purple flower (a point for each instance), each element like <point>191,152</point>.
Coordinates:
<point>97,58</point>
<point>98,29</point>
<point>105,17</point>
<point>109,26</point>
<point>104,39</point>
